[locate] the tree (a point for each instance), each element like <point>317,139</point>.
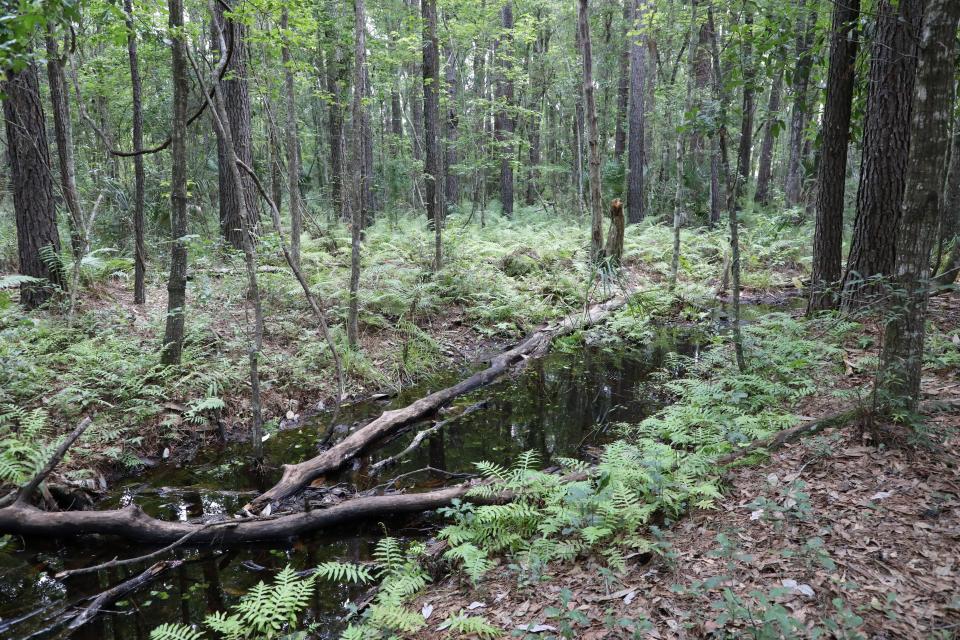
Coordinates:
<point>503,120</point>
<point>828,232</point>
<point>177,281</point>
<point>800,112</point>
<point>886,143</point>
<point>637,108</point>
<point>431,125</point>
<point>236,93</point>
<point>38,242</point>
<point>293,141</point>
<point>593,135</point>
<point>136,92</point>
<point>902,356</point>
<point>452,187</point>
<point>748,73</point>
<point>770,130</point>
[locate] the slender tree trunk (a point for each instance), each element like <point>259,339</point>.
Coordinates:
<point>765,171</point>
<point>452,189</point>
<point>678,213</point>
<point>140,247</point>
<point>335,73</point>
<point>720,162</point>
<point>593,136</point>
<point>748,71</point>
<point>831,176</point>
<point>431,126</point>
<point>236,95</point>
<point>886,143</point>
<point>504,119</point>
<point>361,129</point>
<point>623,84</point>
<point>177,282</point>
<point>637,114</point>
<point>800,112</point>
<point>902,357</point>
<point>293,143</point>
<point>63,133</point>
<point>950,224</point>
<point>538,91</point>
<point>32,186</point>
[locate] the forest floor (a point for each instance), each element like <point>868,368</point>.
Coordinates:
<point>841,532</point>
<point>498,283</point>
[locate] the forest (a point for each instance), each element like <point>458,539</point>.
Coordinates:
<point>373,319</point>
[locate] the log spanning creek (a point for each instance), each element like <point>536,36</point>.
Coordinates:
<point>559,405</point>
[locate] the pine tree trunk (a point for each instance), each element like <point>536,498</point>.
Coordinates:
<point>593,136</point>
<point>452,189</point>
<point>236,96</point>
<point>831,176</point>
<point>765,170</point>
<point>177,282</point>
<point>361,204</point>
<point>800,112</point>
<point>38,242</point>
<point>433,177</point>
<point>623,84</point>
<point>136,90</point>
<point>748,71</point>
<point>902,357</point>
<point>637,115</point>
<point>503,121</point>
<point>886,144</point>
<point>293,144</point>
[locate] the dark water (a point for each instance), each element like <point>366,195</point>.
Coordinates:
<point>558,406</point>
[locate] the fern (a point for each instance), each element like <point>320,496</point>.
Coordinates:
<point>344,572</point>
<point>466,625</point>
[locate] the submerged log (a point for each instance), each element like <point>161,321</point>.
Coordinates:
<point>297,476</point>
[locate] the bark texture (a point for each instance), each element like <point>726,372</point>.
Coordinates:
<point>886,144</point>
<point>831,176</point>
<point>136,91</point>
<point>637,113</point>
<point>930,125</point>
<point>800,112</point>
<point>293,143</point>
<point>504,118</point>
<point>593,135</point>
<point>765,170</point>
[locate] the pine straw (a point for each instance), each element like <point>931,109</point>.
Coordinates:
<point>889,519</point>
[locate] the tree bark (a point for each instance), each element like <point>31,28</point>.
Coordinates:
<point>136,90</point>
<point>800,112</point>
<point>361,131</point>
<point>504,118</point>
<point>433,177</point>
<point>593,136</point>
<point>335,77</point>
<point>765,170</point>
<point>950,224</point>
<point>293,143</point>
<point>177,281</point>
<point>902,357</point>
<point>637,111</point>
<point>886,143</point>
<point>623,84</point>
<point>828,232</point>
<point>236,95</point>
<point>719,162</point>
<point>748,72</point>
<point>32,184</point>
<point>452,188</point>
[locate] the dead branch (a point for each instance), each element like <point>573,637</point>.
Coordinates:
<point>297,476</point>
<point>127,586</point>
<point>24,495</point>
<point>423,435</point>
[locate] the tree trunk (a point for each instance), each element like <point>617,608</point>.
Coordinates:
<point>623,84</point>
<point>748,71</point>
<point>293,144</point>
<point>538,91</point>
<point>361,130</point>
<point>950,222</point>
<point>236,95</point>
<point>831,176</point>
<point>335,77</point>
<point>140,247</point>
<point>433,177</point>
<point>902,357</point>
<point>38,242</point>
<point>765,171</point>
<point>452,188</point>
<point>177,282</point>
<point>800,112</point>
<point>637,112</point>
<point>886,143</point>
<point>719,162</point>
<point>504,119</point>
<point>63,133</point>
<point>593,136</point>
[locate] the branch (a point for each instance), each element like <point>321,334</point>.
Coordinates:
<point>115,593</point>
<point>54,460</point>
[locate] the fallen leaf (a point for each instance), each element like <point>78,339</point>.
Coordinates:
<point>426,610</point>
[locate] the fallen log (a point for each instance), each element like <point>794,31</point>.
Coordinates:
<point>132,523</point>
<point>297,476</point>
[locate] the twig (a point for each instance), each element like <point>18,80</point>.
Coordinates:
<point>115,593</point>
<point>120,563</point>
<point>54,460</point>
<point>422,435</point>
